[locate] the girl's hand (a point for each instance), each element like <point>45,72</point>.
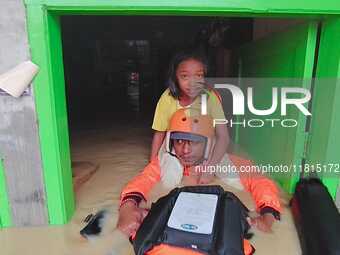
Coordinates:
<point>263,222</point>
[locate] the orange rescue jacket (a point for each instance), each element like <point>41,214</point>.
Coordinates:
<point>262,189</point>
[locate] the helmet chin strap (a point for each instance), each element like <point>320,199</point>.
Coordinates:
<point>198,162</point>
<point>208,149</point>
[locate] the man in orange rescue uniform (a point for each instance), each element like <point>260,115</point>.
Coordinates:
<point>190,139</point>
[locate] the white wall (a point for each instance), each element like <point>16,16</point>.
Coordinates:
<point>19,141</point>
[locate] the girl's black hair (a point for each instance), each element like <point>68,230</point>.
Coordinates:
<point>181,56</point>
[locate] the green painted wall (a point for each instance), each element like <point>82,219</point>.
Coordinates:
<point>5,212</point>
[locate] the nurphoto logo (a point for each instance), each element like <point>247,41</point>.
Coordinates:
<point>240,102</point>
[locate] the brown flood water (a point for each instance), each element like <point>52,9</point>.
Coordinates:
<point>120,154</point>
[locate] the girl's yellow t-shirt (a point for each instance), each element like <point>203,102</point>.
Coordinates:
<point>167,105</point>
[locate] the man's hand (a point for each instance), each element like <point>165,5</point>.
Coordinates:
<point>130,218</point>
<point>263,222</point>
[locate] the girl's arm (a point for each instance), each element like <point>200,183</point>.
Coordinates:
<point>220,149</point>
<point>221,130</point>
<point>165,107</point>
<point>157,141</point>
<point>221,145</point>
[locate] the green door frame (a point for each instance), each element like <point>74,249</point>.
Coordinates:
<point>49,87</point>
<point>324,138</point>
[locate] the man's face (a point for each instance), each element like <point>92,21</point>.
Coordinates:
<point>188,152</point>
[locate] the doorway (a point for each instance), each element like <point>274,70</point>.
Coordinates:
<point>115,70</point>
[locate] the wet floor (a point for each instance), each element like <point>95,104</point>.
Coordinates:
<point>120,152</point>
